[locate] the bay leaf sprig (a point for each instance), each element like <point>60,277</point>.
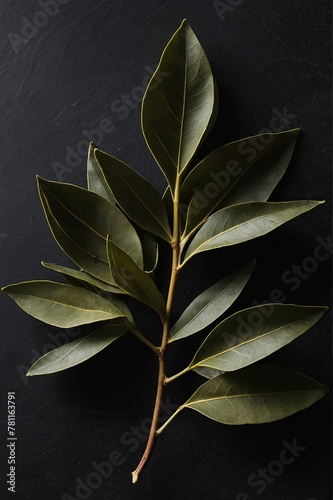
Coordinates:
<point>112,231</point>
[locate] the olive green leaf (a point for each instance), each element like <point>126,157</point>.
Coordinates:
<point>120,304</point>
<point>82,276</point>
<point>77,351</point>
<point>95,178</point>
<point>70,280</point>
<point>206,372</point>
<point>61,305</point>
<point>245,221</point>
<point>107,292</point>
<point>139,199</point>
<point>178,103</point>
<point>128,276</point>
<point>214,114</point>
<point>254,333</point>
<point>255,395</point>
<point>81,232</point>
<point>78,252</point>
<point>168,201</point>
<point>212,303</point>
<point>150,250</point>
<point>242,171</point>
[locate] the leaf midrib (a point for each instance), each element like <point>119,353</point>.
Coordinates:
<point>271,332</point>
<point>69,305</point>
<point>146,206</point>
<point>243,172</point>
<point>237,226</point>
<point>70,239</point>
<point>77,217</point>
<point>181,134</point>
<point>232,186</point>
<point>202,310</point>
<point>71,350</point>
<point>256,394</point>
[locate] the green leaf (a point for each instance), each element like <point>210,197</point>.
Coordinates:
<point>214,114</point>
<point>255,395</point>
<point>70,280</point>
<point>242,171</point>
<point>95,178</point>
<point>178,103</point>
<point>78,252</point>
<point>77,351</point>
<point>168,202</point>
<point>254,333</point>
<point>211,304</point>
<point>139,199</point>
<point>120,304</point>
<point>129,277</point>
<point>61,305</point>
<point>107,292</point>
<point>243,222</point>
<point>150,250</point>
<point>207,372</point>
<point>81,232</point>
<point>82,276</point>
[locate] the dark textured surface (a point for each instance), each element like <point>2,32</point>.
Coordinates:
<point>88,63</point>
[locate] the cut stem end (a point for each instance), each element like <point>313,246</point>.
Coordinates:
<point>135,477</point>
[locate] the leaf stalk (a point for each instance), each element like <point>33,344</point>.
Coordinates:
<point>143,339</point>
<point>179,374</point>
<point>161,429</point>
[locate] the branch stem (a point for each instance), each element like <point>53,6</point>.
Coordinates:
<point>175,244</point>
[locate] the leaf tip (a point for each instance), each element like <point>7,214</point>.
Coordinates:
<point>185,25</point>
<point>40,181</point>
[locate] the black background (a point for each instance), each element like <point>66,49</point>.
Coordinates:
<point>265,56</point>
